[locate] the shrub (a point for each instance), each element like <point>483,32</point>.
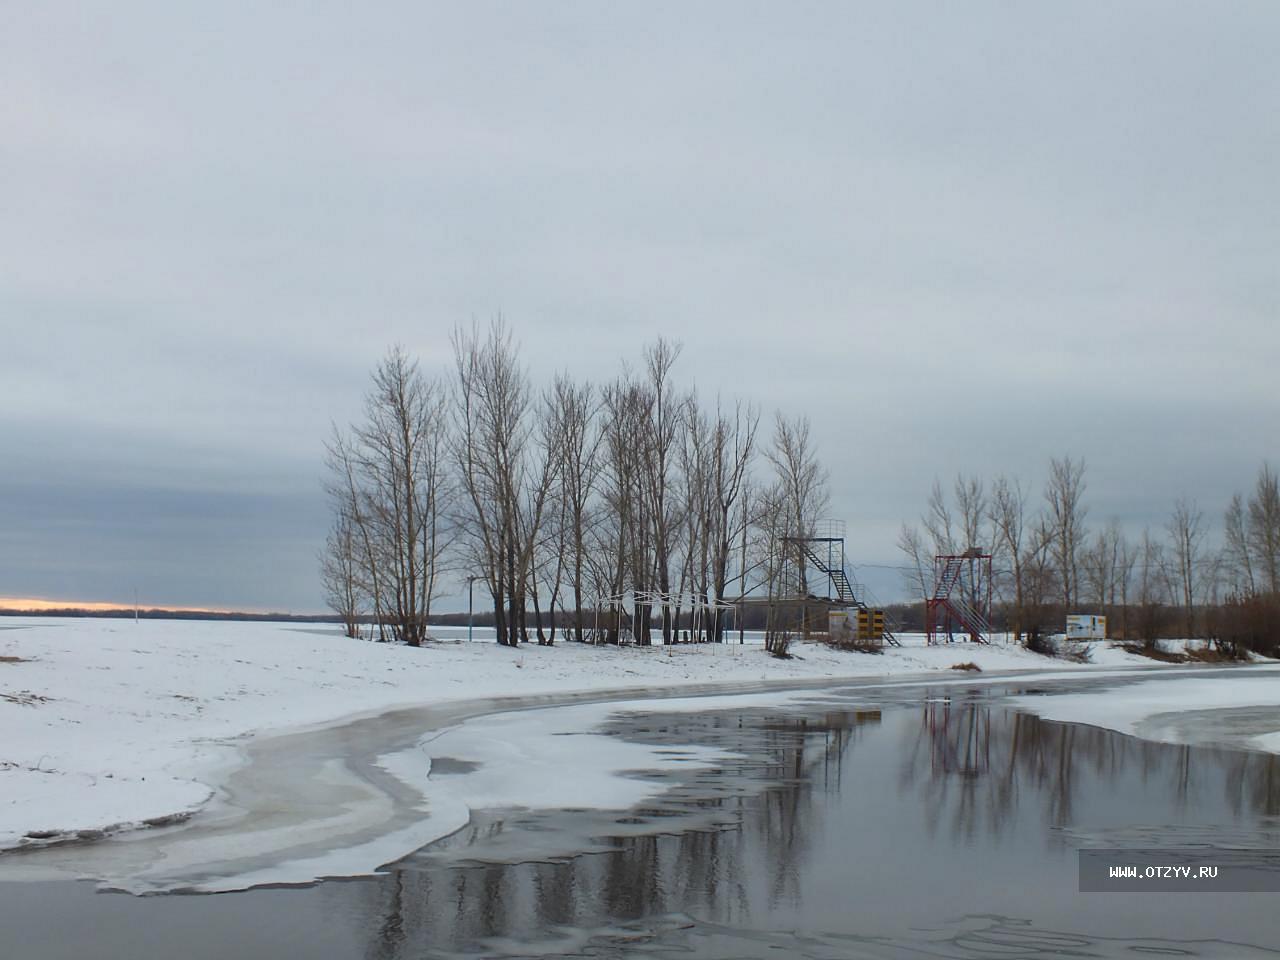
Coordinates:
<point>778,644</point>
<point>1247,623</point>
<point>1048,646</point>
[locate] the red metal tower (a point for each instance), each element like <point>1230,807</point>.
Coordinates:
<point>961,597</point>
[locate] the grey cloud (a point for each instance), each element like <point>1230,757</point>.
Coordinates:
<point>962,237</point>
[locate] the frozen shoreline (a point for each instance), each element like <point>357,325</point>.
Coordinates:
<point>114,725</point>
<point>1238,712</point>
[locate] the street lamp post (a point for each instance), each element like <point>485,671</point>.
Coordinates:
<point>471,608</point>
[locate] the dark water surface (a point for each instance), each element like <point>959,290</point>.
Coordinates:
<point>909,822</point>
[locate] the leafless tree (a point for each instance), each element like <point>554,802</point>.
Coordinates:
<point>391,483</point>
<point>1186,533</point>
<point>1014,546</point>
<point>1264,529</point>
<point>919,572</point>
<point>661,437</point>
<point>975,517</point>
<point>801,475</point>
<point>1152,588</point>
<point>696,496</point>
<point>729,455</point>
<point>1099,563</point>
<point>1126,560</point>
<point>341,572</point>
<point>349,501</point>
<point>1237,554</point>
<point>547,534</point>
<point>1064,497</point>
<point>622,555</point>
<point>774,519</point>
<point>506,466</point>
<point>575,409</point>
<point>802,495</point>
<point>939,523</point>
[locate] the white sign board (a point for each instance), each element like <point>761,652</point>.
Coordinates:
<point>1086,626</point>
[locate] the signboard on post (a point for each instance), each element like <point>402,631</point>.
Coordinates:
<point>1086,626</point>
<point>839,628</point>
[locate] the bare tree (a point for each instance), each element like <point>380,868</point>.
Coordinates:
<point>919,572</point>
<point>774,519</point>
<point>802,489</point>
<point>1126,560</point>
<point>1099,563</point>
<point>729,455</point>
<point>1186,533</point>
<point>940,524</point>
<point>542,518</point>
<point>349,501</point>
<point>1014,546</point>
<point>340,572</point>
<point>1152,588</point>
<point>392,487</point>
<point>1064,497</point>
<point>972,506</point>
<point>575,411</point>
<point>1264,529</point>
<point>1107,570</point>
<point>661,441</point>
<point>697,495</point>
<point>622,535</point>
<point>1237,555</point>
<point>506,467</point>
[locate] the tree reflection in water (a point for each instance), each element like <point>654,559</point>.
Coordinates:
<point>723,856</point>
<point>977,771</point>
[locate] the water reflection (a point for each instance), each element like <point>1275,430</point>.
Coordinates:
<point>821,824</point>
<point>978,771</point>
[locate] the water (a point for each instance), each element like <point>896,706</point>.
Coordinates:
<point>920,822</point>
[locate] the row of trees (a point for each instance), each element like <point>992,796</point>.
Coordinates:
<point>558,496</point>
<point>1047,562</point>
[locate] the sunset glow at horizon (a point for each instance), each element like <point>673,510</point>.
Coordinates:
<point>41,604</point>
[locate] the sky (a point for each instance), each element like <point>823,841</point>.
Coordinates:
<point>959,237</point>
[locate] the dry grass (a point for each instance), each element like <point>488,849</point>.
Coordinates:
<point>25,698</point>
<point>1155,653</point>
<point>1212,654</point>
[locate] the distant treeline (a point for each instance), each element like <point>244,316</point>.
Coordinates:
<point>159,613</point>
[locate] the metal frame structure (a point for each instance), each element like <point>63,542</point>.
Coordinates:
<point>824,551</point>
<point>961,597</point>
<point>626,603</point>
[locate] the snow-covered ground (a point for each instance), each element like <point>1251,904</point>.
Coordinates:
<point>110,724</point>
<point>1238,711</point>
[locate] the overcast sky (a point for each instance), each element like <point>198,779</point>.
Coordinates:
<point>960,237</point>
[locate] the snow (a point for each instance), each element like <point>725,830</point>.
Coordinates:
<point>1239,711</point>
<point>112,725</point>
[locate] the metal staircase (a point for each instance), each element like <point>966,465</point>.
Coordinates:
<point>947,581</point>
<point>847,591</point>
<point>942,607</point>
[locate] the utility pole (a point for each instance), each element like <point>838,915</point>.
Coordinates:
<point>742,587</point>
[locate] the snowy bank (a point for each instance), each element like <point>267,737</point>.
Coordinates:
<point>112,724</point>
<point>1236,711</point>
